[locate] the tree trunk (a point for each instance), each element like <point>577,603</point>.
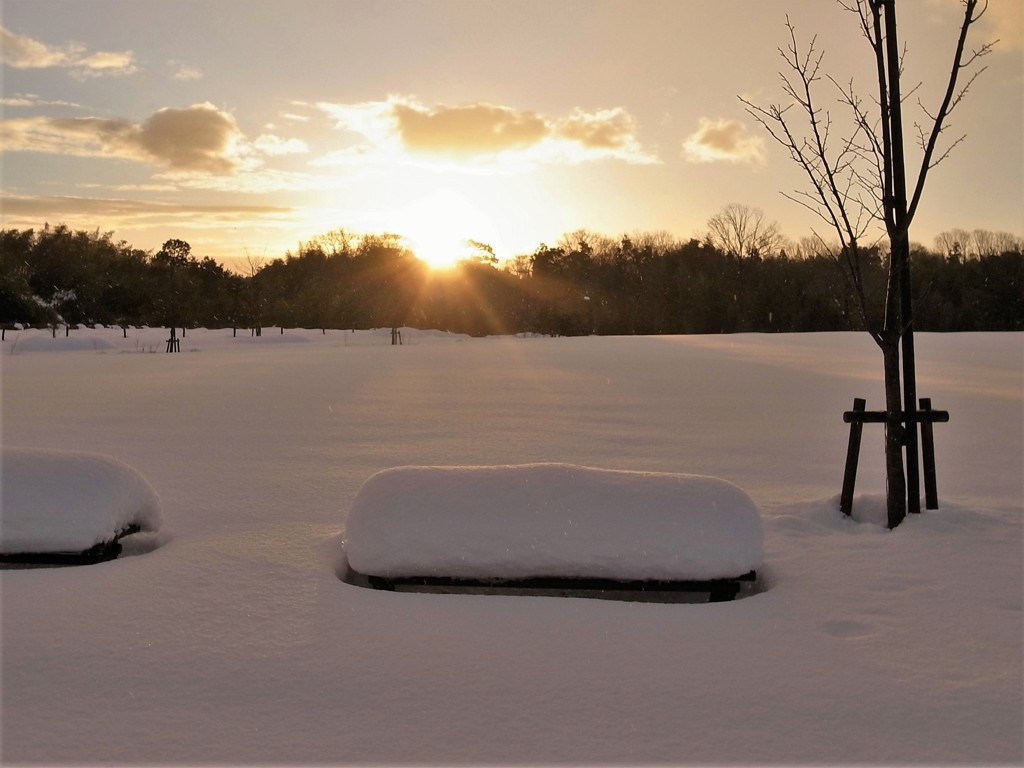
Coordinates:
<point>895,480</point>
<point>898,225</point>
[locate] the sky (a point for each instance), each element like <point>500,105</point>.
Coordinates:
<point>248,126</point>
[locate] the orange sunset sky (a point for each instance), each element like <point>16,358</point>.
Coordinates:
<point>246,126</point>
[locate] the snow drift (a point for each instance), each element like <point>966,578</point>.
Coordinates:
<point>509,522</point>
<point>68,501</point>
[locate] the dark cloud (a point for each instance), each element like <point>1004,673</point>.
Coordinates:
<point>475,129</point>
<point>611,129</point>
<point>199,138</point>
<point>485,131</point>
<point>726,140</point>
<point>69,206</point>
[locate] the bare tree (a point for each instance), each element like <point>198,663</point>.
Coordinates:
<point>978,243</point>
<point>1007,242</point>
<point>953,243</point>
<point>518,266</point>
<point>743,231</point>
<point>253,266</point>
<point>857,180</point>
<point>586,241</point>
<point>657,242</point>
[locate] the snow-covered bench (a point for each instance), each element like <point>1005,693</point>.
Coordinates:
<point>70,507</point>
<point>552,529</point>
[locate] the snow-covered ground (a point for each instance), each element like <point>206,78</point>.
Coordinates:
<point>228,638</point>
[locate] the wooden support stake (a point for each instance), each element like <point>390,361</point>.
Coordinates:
<point>931,492</point>
<point>852,456</point>
<point>925,417</point>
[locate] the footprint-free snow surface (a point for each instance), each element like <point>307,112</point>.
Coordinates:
<point>231,641</point>
<point>532,520</point>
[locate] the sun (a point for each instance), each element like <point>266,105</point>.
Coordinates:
<point>439,225</point>
<point>437,247</point>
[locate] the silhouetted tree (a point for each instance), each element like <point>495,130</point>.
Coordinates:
<point>637,283</point>
<point>859,179</point>
<point>739,230</point>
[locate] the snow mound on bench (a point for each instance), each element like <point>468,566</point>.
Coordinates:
<point>69,501</point>
<point>559,520</point>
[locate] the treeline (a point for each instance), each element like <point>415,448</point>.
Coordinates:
<point>586,283</point>
<point>56,276</point>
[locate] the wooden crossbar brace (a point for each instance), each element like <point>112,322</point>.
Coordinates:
<point>858,417</point>
<point>925,415</point>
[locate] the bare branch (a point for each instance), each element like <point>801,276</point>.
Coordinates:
<point>952,98</point>
<point>839,169</point>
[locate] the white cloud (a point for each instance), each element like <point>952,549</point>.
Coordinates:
<point>34,100</point>
<point>251,179</point>
<point>105,64</point>
<point>269,144</point>
<point>723,140</point>
<point>185,72</point>
<point>22,52</point>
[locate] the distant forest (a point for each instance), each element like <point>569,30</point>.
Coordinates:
<point>585,284</point>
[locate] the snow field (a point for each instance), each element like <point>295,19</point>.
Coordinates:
<point>233,640</point>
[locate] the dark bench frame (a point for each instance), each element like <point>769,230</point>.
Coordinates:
<point>105,550</point>
<point>651,591</point>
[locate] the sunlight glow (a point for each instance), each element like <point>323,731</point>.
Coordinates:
<point>438,226</point>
